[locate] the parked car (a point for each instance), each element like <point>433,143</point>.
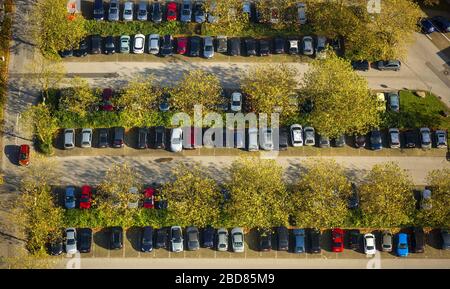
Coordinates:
<point>394,65</point>
<point>118,137</point>
<point>159,141</point>
<point>103,140</point>
<point>394,138</point>
<point>199,12</point>
<point>265,239</point>
<point>402,245</point>
<point>133,202</point>
<point>283,139</point>
<point>128,9</point>
<point>274,15</point>
<point>99,12</point>
<point>116,238</point>
<point>82,49</point>
<point>310,136</point>
<point>139,44</point>
<point>69,198</point>
<point>339,141</point>
<point>314,241</point>
<point>425,200</point>
<point>441,139</point>
<point>264,47</point>
<point>321,46</point>
<point>186,11</point>
<point>222,239</point>
<point>194,46</point>
<point>212,17</point>
<point>410,138</point>
<point>360,141</point>
<point>142,12</point>
<point>394,101</point>
<point>149,198</point>
<point>324,141</point>
<point>156,12</point>
<point>427,26</point>
<point>250,46</point>
<point>193,238</point>
<point>167,45</point>
<point>386,241</point>
<point>381,101</point>
<point>96,44</point>
<point>361,65</point>
<point>161,238</point>
<point>142,138</point>
<point>267,139</point>
<point>282,238</point>
<point>442,23</point>
<point>66,53</point>
<point>369,244</point>
<point>153,44</point>
<point>252,139</point>
<point>147,239</point>
<point>222,44</point>
<point>237,240</point>
<point>172,11</point>
<point>125,44</point>
<point>176,140</point>
<point>296,135</point>
<point>353,239</point>
<point>375,140</point>
<point>299,240</point>
<point>85,240</point>
<point>113,12</point>
<point>308,47</point>
<point>425,138</point>
<point>208,47</point>
<point>106,104</point>
<point>279,44</point>
<point>236,102</point>
<point>293,46</point>
<point>301,13</point>
<point>176,239</point>
<point>71,241</point>
<point>182,43</point>
<point>208,237</point>
<point>337,237</point>
<point>445,239</point>
<point>86,197</point>
<point>418,240</point>
<point>235,47</point>
<point>55,247</point>
<point>24,155</point>
<point>86,138</point>
<point>69,138</point>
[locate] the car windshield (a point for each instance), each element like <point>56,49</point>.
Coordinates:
<point>402,246</point>
<point>338,244</point>
<point>23,156</point>
<point>112,11</point>
<point>128,12</point>
<point>208,48</point>
<point>98,11</point>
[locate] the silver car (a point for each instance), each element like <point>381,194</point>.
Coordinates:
<point>308,47</point>
<point>253,139</point>
<point>222,239</point>
<point>237,240</point>
<point>208,47</point>
<point>69,138</point>
<point>394,101</point>
<point>125,44</point>
<point>425,200</point>
<point>296,135</point>
<point>86,138</point>
<point>310,136</point>
<point>71,241</point>
<point>69,198</point>
<point>153,44</point>
<point>176,238</point>
<point>394,138</point>
<point>142,11</point>
<point>386,238</point>
<point>128,11</point>
<point>113,12</point>
<point>139,44</point>
<point>186,11</point>
<point>193,242</point>
<point>441,139</point>
<point>425,138</point>
<point>133,202</point>
<point>321,46</point>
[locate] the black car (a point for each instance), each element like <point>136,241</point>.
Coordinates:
<point>84,239</point>
<point>362,65</point>
<point>442,23</point>
<point>96,44</point>
<point>282,238</point>
<point>418,240</point>
<point>208,237</point>
<point>235,47</point>
<point>278,45</point>
<point>264,47</point>
<point>314,241</point>
<point>339,141</point>
<point>167,45</point>
<point>66,53</point>
<point>250,46</point>
<point>375,140</point>
<point>147,239</point>
<point>360,141</point>
<point>353,201</point>
<point>55,248</point>
<point>118,137</point>
<point>195,43</point>
<point>103,141</point>
<point>353,239</point>
<point>110,47</point>
<point>159,140</point>
<point>82,49</point>
<point>156,12</point>
<point>283,139</point>
<point>142,138</point>
<point>410,138</point>
<point>265,239</point>
<point>161,238</point>
<point>116,238</point>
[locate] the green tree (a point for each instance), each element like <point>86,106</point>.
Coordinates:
<point>320,197</point>
<point>386,197</point>
<point>53,30</point>
<point>271,88</point>
<point>194,198</point>
<point>258,194</point>
<point>341,97</point>
<point>197,87</point>
<point>79,98</point>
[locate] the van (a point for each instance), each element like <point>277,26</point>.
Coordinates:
<point>99,12</point>
<point>69,138</point>
<point>253,139</point>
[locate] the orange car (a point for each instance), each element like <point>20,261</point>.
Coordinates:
<point>24,155</point>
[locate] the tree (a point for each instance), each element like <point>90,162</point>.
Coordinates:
<point>341,98</point>
<point>271,88</point>
<point>386,197</point>
<point>193,197</point>
<point>46,74</point>
<point>79,98</point>
<point>39,119</point>
<point>231,20</point>
<point>52,29</point>
<point>439,213</point>
<point>197,87</point>
<point>320,198</point>
<point>258,196</point>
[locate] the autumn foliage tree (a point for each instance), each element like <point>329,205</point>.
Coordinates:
<point>79,98</point>
<point>229,14</point>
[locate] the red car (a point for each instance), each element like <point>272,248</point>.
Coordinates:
<point>182,45</point>
<point>172,12</point>
<point>24,155</point>
<point>86,196</point>
<point>106,99</point>
<point>149,198</point>
<point>337,235</point>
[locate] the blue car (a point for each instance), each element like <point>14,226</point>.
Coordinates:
<point>299,237</point>
<point>402,245</point>
<point>69,198</point>
<point>427,26</point>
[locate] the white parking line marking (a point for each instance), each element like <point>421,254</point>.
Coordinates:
<point>429,37</point>
<point>445,36</point>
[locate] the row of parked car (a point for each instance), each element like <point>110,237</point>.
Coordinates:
<point>436,23</point>
<point>294,240</point>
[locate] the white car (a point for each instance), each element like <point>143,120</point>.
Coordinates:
<point>441,139</point>
<point>236,102</point>
<point>176,140</point>
<point>133,203</point>
<point>86,138</point>
<point>301,10</point>
<point>128,11</point>
<point>425,138</point>
<point>176,239</point>
<point>310,136</point>
<point>139,44</point>
<point>296,135</point>
<point>237,240</point>
<point>253,139</point>
<point>222,239</point>
<point>369,244</point>
<point>71,241</point>
<point>153,44</point>
<point>267,139</point>
<point>308,48</point>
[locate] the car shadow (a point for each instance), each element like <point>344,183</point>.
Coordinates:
<point>433,239</point>
<point>12,153</point>
<point>133,235</point>
<point>326,240</point>
<point>101,238</point>
<point>251,239</point>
